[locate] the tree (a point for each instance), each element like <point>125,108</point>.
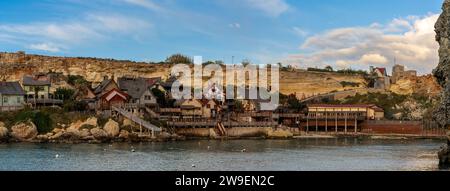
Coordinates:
<point>246,62</point>
<point>64,93</point>
<point>280,65</point>
<point>77,80</point>
<point>238,106</point>
<point>329,68</point>
<point>160,97</point>
<point>179,59</point>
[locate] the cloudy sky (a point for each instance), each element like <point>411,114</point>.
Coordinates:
<point>304,33</point>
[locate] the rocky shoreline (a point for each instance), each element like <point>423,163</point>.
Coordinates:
<point>444,154</point>
<point>80,132</point>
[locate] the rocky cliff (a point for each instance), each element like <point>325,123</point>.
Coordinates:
<point>14,65</point>
<point>300,82</point>
<point>442,72</point>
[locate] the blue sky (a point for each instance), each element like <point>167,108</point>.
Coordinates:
<point>303,33</point>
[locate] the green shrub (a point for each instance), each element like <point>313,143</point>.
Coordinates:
<point>43,122</point>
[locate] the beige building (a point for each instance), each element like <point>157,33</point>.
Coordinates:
<point>368,111</point>
<point>398,72</point>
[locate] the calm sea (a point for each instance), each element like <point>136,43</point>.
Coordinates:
<point>285,155</point>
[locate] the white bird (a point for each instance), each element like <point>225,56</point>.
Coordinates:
<point>209,147</point>
<point>57,156</point>
<point>193,165</point>
<point>132,150</point>
<point>244,150</point>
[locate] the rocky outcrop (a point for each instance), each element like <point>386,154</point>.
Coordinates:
<point>15,65</point>
<point>99,134</point>
<point>24,131</point>
<point>112,128</point>
<point>442,74</point>
<point>91,122</point>
<point>3,131</point>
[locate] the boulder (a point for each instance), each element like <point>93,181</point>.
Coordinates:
<point>3,131</point>
<point>112,128</point>
<point>57,130</point>
<point>279,133</point>
<point>92,121</point>
<point>99,134</point>
<point>444,156</point>
<point>56,135</point>
<point>24,131</point>
<point>75,125</point>
<point>124,134</point>
<point>85,133</point>
<point>127,123</point>
<point>42,137</point>
<point>448,138</point>
<point>71,134</point>
<point>165,135</point>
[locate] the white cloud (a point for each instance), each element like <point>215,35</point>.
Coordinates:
<point>93,27</point>
<point>148,4</point>
<point>235,25</point>
<point>300,32</point>
<point>410,40</point>
<point>270,7</point>
<point>49,47</point>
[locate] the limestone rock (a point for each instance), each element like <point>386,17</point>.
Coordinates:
<point>85,133</point>
<point>124,134</point>
<point>24,131</point>
<point>127,123</point>
<point>279,133</point>
<point>112,128</point>
<point>444,156</point>
<point>99,134</point>
<point>3,131</point>
<point>56,135</point>
<point>57,130</point>
<point>442,72</point>
<point>71,134</point>
<point>165,135</point>
<point>42,137</point>
<point>92,121</point>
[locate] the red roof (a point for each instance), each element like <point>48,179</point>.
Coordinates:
<point>382,70</point>
<point>104,96</point>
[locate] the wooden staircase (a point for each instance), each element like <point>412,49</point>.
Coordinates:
<point>221,129</point>
<point>136,119</point>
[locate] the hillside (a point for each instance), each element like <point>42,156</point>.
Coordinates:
<point>303,83</point>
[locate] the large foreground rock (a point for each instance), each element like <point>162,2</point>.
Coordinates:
<point>24,131</point>
<point>442,74</point>
<point>99,134</point>
<point>112,128</point>
<point>3,131</point>
<point>442,71</point>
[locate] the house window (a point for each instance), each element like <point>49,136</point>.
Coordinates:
<point>18,100</point>
<point>148,98</point>
<point>42,97</point>
<point>5,99</point>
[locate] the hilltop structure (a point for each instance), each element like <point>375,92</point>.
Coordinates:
<point>398,72</point>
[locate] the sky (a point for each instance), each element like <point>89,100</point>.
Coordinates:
<point>303,33</point>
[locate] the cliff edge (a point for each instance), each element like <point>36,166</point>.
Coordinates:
<point>442,74</point>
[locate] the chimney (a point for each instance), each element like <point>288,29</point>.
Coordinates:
<point>105,77</point>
